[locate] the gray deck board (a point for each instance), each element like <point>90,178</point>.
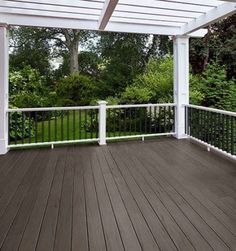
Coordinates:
<point>158,195</point>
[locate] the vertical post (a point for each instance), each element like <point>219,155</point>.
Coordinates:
<point>4,66</point>
<point>181,82</point>
<point>102,122</point>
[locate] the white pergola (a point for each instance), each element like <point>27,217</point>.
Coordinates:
<point>178,18</point>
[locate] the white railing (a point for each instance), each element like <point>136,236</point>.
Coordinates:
<point>62,125</point>
<point>213,128</point>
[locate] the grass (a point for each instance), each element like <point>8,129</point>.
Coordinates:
<point>71,126</point>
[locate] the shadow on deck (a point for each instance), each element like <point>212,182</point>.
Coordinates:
<point>158,195</point>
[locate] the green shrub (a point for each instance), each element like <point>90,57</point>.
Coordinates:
<point>20,126</point>
<point>76,89</point>
<point>154,86</point>
<point>28,89</point>
<point>212,89</point>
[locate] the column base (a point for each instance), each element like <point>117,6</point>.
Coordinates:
<point>182,136</point>
<point>3,147</point>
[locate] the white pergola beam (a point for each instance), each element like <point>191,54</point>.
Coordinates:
<point>70,23</point>
<point>107,11</point>
<point>212,16</point>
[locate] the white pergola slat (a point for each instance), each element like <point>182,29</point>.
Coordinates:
<point>165,17</point>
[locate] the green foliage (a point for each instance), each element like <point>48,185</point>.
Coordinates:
<point>17,129</point>
<point>30,47</point>
<point>27,89</point>
<point>196,95</point>
<point>155,85</point>
<point>218,45</point>
<point>76,89</point>
<point>212,89</point>
<point>125,56</point>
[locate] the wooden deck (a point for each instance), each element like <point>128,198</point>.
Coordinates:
<point>158,195</point>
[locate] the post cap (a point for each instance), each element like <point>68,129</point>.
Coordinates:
<point>102,102</point>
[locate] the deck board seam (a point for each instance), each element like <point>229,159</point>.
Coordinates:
<point>112,207</point>
<point>58,213</point>
<point>99,207</point>
<point>44,214</point>
<point>135,202</point>
<point>123,203</point>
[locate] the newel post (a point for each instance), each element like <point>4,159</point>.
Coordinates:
<point>4,71</point>
<point>102,122</point>
<point>181,82</point>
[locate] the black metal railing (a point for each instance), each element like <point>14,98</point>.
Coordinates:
<point>47,126</point>
<point>214,127</point>
<point>126,121</point>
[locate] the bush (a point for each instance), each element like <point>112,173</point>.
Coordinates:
<point>28,89</point>
<point>212,89</point>
<point>76,89</point>
<point>17,129</point>
<point>154,86</point>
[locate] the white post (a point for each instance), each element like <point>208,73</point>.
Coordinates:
<point>4,66</point>
<point>181,82</point>
<point>102,122</point>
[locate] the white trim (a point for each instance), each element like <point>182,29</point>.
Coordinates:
<point>212,110</point>
<point>4,88</point>
<point>181,82</point>
<point>218,150</point>
<point>102,122</point>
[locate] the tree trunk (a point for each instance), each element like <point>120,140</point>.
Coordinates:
<point>72,42</point>
<point>73,51</point>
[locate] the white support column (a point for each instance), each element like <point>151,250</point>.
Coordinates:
<point>102,122</point>
<point>181,82</point>
<point>4,66</point>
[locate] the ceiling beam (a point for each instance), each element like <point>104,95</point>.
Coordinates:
<point>83,24</point>
<point>212,16</point>
<point>108,8</point>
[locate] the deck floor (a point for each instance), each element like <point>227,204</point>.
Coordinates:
<point>157,195</point>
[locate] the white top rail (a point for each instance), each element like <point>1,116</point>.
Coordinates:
<point>41,109</point>
<point>140,105</point>
<point>212,110</point>
<point>53,109</point>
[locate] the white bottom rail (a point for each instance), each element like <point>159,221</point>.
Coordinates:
<point>209,147</point>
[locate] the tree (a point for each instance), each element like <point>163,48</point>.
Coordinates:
<point>213,89</point>
<point>124,56</point>
<point>30,47</point>
<point>37,46</point>
<point>218,45</point>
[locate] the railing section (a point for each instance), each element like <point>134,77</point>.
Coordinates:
<point>133,121</point>
<point>212,126</point>
<point>58,125</point>
<point>41,126</point>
